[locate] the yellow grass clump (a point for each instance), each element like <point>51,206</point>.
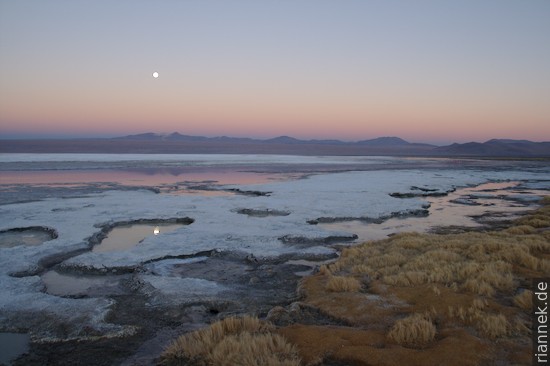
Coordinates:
<point>324,270</point>
<point>258,349</point>
<point>462,282</point>
<point>524,300</point>
<point>343,284</point>
<point>488,325</point>
<point>521,229</point>
<point>494,326</point>
<point>480,263</point>
<point>361,269</point>
<point>243,341</point>
<point>413,331</point>
<point>536,221</point>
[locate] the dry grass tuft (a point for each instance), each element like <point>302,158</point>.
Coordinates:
<point>536,221</point>
<point>521,230</point>
<point>480,263</point>
<point>343,284</point>
<point>232,341</point>
<point>478,287</point>
<point>494,326</point>
<point>413,331</point>
<point>462,282</point>
<point>361,269</point>
<point>489,325</point>
<point>521,327</point>
<point>540,218</point>
<point>524,300</point>
<point>324,270</point>
<point>258,349</point>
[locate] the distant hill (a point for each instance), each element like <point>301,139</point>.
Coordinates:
<point>284,140</point>
<point>497,148</point>
<point>175,136</point>
<point>150,136</point>
<point>176,143</point>
<point>381,141</point>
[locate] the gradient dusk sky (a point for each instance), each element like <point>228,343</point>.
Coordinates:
<point>424,70</point>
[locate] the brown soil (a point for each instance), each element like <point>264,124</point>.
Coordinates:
<point>356,346</point>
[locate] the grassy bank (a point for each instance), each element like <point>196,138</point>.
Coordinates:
<point>418,299</point>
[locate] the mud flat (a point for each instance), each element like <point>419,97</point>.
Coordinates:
<point>234,254</point>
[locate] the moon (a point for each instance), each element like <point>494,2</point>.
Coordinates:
<point>155,74</point>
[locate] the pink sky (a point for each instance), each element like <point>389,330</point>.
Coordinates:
<point>432,72</point>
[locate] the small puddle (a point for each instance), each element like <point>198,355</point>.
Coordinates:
<point>13,345</point>
<point>128,236</point>
<point>26,236</point>
<point>72,285</point>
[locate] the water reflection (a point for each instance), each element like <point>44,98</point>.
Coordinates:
<point>128,236</point>
<point>30,236</point>
<point>138,177</point>
<point>62,284</point>
<point>456,209</point>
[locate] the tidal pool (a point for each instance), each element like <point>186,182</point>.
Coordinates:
<point>128,236</point>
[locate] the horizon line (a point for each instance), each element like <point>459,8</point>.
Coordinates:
<point>70,136</point>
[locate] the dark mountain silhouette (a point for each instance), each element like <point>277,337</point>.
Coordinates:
<point>179,137</point>
<point>175,136</point>
<point>176,143</point>
<point>141,136</point>
<point>508,141</point>
<point>284,140</point>
<point>497,148</point>
<point>150,136</point>
<point>381,141</point>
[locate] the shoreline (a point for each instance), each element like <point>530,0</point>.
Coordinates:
<point>141,307</point>
<point>464,320</point>
<point>305,310</point>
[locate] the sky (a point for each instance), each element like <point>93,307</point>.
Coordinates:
<point>427,71</point>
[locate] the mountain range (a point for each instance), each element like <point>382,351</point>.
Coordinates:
<point>175,136</point>
<point>497,147</point>
<point>188,144</point>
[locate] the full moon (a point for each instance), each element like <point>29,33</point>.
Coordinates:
<point>155,74</point>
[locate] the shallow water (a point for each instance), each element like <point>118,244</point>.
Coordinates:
<point>61,284</point>
<point>446,211</point>
<point>135,177</point>
<point>128,236</point>
<point>13,238</point>
<point>12,345</point>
